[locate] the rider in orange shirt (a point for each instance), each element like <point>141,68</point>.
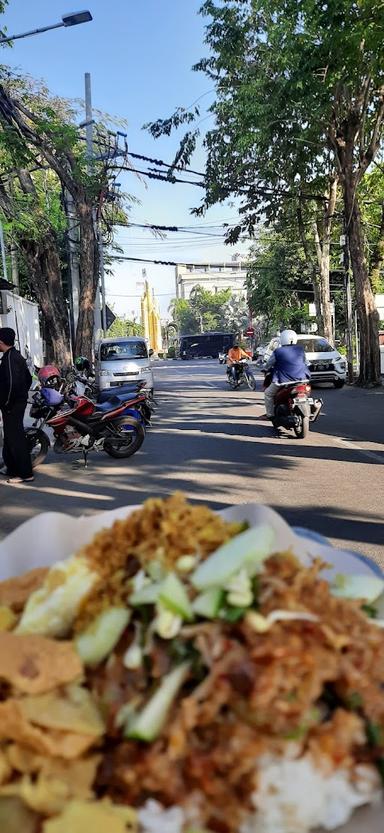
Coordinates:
<point>234,355</point>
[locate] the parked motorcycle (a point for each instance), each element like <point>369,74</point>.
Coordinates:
<point>243,375</point>
<point>116,426</point>
<point>294,407</point>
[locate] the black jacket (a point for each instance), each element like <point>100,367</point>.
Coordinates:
<point>15,379</point>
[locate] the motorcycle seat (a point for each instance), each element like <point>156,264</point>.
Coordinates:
<point>109,404</point>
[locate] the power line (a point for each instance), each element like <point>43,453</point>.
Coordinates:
<point>157,295</point>
<point>172,179</point>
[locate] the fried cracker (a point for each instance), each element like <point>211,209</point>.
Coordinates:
<point>14,592</point>
<point>14,726</point>
<point>35,664</point>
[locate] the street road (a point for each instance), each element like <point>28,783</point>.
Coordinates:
<point>210,442</point>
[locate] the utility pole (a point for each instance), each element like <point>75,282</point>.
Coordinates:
<point>74,267</point>
<point>14,267</point>
<point>3,253</point>
<point>348,302</point>
<point>90,156</point>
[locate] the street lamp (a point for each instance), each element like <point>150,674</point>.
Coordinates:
<point>73,19</point>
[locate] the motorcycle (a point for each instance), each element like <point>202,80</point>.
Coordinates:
<point>294,407</point>
<point>243,375</point>
<point>116,426</point>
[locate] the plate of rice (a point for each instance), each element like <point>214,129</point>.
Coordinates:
<point>171,669</point>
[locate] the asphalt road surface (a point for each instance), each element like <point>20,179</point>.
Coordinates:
<point>212,443</point>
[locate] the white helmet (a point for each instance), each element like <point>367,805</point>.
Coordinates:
<point>288,337</point>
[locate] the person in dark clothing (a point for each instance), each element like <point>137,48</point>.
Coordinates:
<point>287,364</point>
<point>15,381</point>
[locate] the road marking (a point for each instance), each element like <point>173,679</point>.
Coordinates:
<point>361,450</point>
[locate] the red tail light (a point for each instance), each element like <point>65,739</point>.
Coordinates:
<point>300,389</point>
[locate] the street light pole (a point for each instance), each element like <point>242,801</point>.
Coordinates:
<point>67,20</point>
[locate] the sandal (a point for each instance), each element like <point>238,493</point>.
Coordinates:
<point>15,481</point>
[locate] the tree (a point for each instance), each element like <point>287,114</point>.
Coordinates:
<point>123,326</point>
<point>372,202</point>
<point>184,316</point>
<point>35,222</point>
<point>41,131</point>
<point>299,102</point>
<point>204,311</point>
<point>276,288</point>
<point>235,314</point>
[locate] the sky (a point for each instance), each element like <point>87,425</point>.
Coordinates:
<point>139,54</point>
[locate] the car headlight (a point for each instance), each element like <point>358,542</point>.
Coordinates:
<point>146,369</point>
<point>105,373</point>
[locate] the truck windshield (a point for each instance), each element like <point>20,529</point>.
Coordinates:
<point>113,352</point>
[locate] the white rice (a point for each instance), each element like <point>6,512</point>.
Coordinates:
<point>293,796</point>
<point>296,796</point>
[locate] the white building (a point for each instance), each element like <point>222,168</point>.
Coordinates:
<point>215,277</point>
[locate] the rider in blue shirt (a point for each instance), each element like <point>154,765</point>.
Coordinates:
<point>287,364</point>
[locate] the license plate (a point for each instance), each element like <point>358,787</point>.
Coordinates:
<point>302,399</point>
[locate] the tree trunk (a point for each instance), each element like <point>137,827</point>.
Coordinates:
<point>366,309</point>
<point>89,280</point>
<point>322,244</point>
<point>45,274</point>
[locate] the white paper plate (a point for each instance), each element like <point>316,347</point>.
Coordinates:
<point>52,536</point>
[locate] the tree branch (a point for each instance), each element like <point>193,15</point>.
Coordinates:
<point>364,100</point>
<point>11,110</point>
<point>374,144</point>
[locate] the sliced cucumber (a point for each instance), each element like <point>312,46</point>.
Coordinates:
<point>208,604</point>
<point>95,643</point>
<point>155,570</point>
<point>147,595</point>
<point>249,550</point>
<point>173,595</point>
<point>364,587</point>
<point>151,720</point>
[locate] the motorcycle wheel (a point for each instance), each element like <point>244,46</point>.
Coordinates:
<point>251,381</point>
<point>232,383</point>
<point>38,444</point>
<point>135,434</point>
<point>302,429</point>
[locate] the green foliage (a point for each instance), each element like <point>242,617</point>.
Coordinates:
<point>276,288</point>
<point>184,316</point>
<point>203,311</point>
<point>123,326</point>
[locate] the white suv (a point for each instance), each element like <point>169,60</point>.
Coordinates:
<point>326,364</point>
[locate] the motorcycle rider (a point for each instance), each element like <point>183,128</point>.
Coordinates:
<point>287,364</point>
<point>235,354</point>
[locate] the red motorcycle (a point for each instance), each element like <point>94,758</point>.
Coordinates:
<point>115,426</point>
<point>294,407</point>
